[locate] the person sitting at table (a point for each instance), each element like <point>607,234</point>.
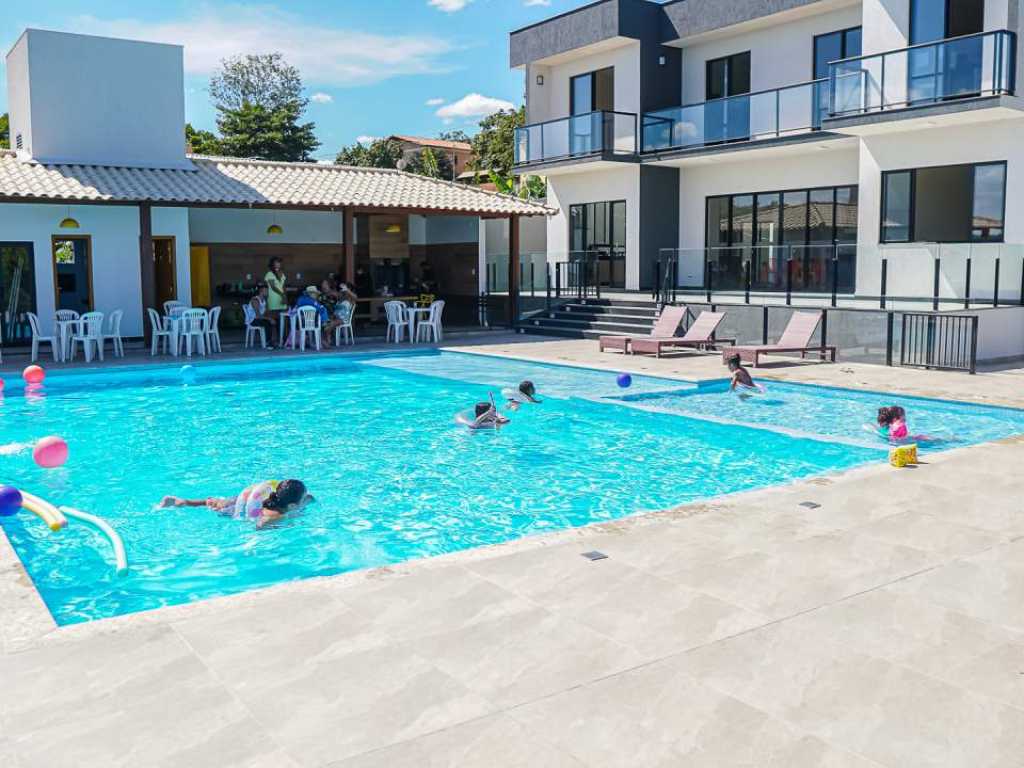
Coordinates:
<point>256,313</point>
<point>329,295</point>
<point>311,298</point>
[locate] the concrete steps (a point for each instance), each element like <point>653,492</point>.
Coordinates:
<point>590,318</point>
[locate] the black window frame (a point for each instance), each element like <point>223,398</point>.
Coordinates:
<point>611,218</point>
<point>912,32</point>
<point>782,193</point>
<point>843,47</point>
<point>6,339</point>
<point>728,68</point>
<point>592,74</point>
<point>912,233</point>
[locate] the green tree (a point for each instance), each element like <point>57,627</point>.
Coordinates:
<point>427,162</point>
<point>5,131</point>
<point>255,131</point>
<point>492,146</point>
<point>454,136</point>
<point>529,187</point>
<point>202,142</point>
<point>260,104</point>
<point>264,80</point>
<point>380,153</point>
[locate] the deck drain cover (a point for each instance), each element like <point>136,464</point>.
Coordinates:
<point>595,555</point>
<point>809,504</point>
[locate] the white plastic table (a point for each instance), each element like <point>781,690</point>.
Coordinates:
<point>294,318</point>
<point>65,330</point>
<point>412,312</point>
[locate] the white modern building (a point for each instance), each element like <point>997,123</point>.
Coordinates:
<point>839,152</point>
<point>101,208</point>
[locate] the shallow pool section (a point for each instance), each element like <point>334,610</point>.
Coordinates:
<point>836,414</point>
<point>375,439</point>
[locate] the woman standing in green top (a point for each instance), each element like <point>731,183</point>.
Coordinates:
<point>277,297</point>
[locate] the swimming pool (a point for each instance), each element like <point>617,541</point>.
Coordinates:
<point>395,478</point>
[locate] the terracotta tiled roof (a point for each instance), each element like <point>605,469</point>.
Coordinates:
<point>424,142</point>
<point>233,181</point>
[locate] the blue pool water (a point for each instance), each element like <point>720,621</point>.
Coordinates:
<point>395,478</point>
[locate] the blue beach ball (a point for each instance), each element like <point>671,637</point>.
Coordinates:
<point>624,380</point>
<point>188,374</point>
<point>10,500</point>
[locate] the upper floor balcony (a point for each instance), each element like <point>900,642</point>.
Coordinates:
<point>770,114</point>
<point>942,72</point>
<point>601,135</point>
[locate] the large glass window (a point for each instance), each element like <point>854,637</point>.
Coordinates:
<point>801,228</point>
<point>843,44</point>
<point>944,204</point>
<point>17,291</point>
<point>932,20</point>
<point>592,92</point>
<point>598,230</point>
<point>728,76</point>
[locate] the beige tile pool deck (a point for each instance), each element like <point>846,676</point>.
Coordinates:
<point>883,628</point>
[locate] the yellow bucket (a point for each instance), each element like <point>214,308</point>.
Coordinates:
<point>903,455</point>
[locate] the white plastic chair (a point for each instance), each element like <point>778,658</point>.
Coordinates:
<point>251,330</point>
<point>170,305</point>
<point>344,328</point>
<point>430,328</point>
<point>213,330</point>
<point>309,322</point>
<point>113,334</point>
<point>90,333</point>
<point>398,321</point>
<point>158,332</point>
<point>192,325</point>
<point>67,314</point>
<point>37,338</point>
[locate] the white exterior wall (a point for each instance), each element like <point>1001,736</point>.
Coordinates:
<point>98,100</point>
<point>114,231</point>
<point>910,265</point>
<point>595,187</point>
<point>780,54</point>
<point>551,100</point>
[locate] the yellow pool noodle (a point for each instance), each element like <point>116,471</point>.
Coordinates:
<point>44,510</point>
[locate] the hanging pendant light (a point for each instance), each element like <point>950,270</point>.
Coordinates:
<point>274,229</point>
<point>69,222</point>
<point>393,229</point>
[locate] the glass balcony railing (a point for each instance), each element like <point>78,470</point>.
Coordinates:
<point>748,117</point>
<point>593,133</point>
<point>958,68</point>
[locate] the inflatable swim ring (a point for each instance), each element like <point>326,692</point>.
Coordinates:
<point>249,503</point>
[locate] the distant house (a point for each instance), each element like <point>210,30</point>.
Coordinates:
<point>457,152</point>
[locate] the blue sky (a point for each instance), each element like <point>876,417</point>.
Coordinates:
<point>372,67</point>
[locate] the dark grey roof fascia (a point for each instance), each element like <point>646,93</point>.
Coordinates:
<point>687,18</point>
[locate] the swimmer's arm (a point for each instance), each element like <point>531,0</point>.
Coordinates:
<point>268,517</point>
<point>734,382</point>
<point>212,503</point>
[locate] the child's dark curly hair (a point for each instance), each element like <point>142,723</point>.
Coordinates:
<point>288,493</point>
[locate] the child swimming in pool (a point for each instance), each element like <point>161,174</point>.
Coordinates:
<point>742,381</point>
<point>265,502</point>
<point>892,426</point>
<point>487,416</point>
<point>526,392</point>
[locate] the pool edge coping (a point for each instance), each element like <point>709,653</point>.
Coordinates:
<point>44,630</point>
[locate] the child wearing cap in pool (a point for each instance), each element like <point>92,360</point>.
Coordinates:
<point>265,502</point>
<point>526,392</point>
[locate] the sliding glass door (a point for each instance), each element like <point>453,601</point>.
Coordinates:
<point>17,292</point>
<point>598,231</point>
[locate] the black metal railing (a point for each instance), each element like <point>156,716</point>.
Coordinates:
<point>593,133</point>
<point>579,277</point>
<point>962,67</point>
<point>947,342</point>
<point>747,117</point>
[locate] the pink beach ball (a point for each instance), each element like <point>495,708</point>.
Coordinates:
<point>33,374</point>
<point>50,452</point>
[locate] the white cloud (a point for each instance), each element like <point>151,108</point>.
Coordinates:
<point>435,102</point>
<point>472,105</point>
<point>365,140</point>
<point>321,98</point>
<point>324,55</point>
<point>529,3</point>
<point>449,6</point>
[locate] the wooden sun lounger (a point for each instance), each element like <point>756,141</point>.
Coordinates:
<point>796,338</point>
<point>665,325</point>
<point>700,335</point>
